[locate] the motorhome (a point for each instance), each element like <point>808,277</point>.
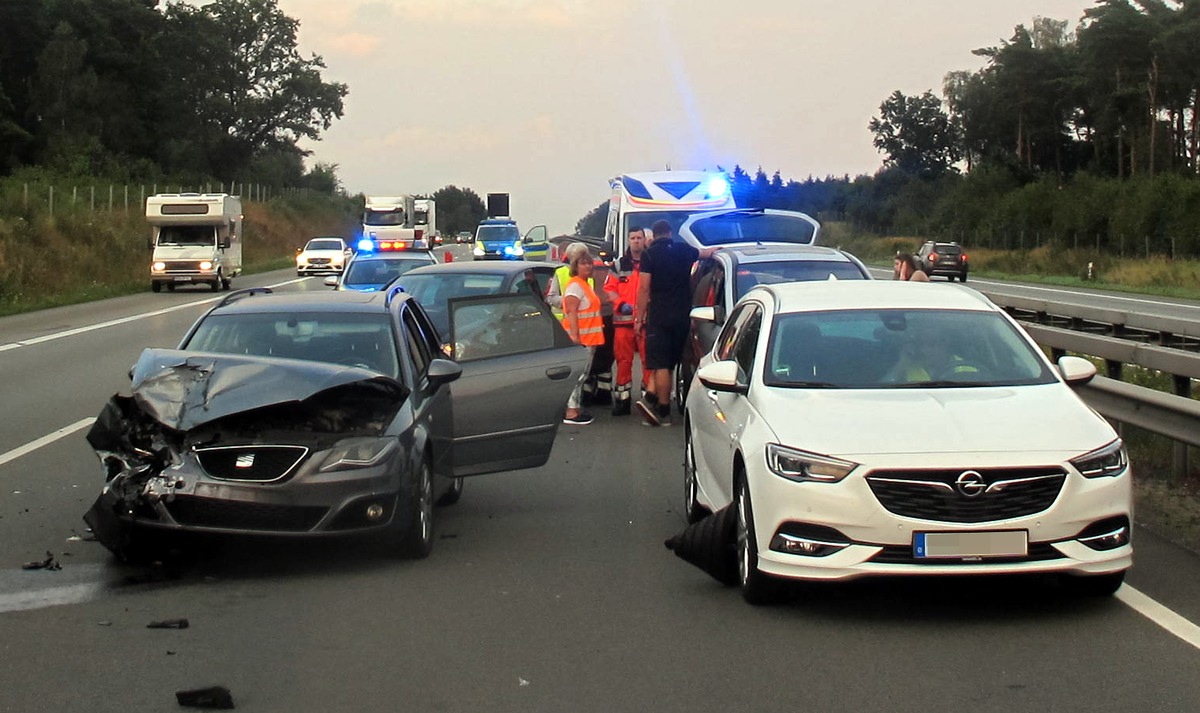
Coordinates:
<point>638,200</point>
<point>194,238</point>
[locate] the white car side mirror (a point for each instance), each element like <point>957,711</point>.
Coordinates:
<point>723,376</point>
<point>704,314</point>
<point>1076,371</point>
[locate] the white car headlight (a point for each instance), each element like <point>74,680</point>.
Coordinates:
<point>1103,462</point>
<point>806,467</point>
<point>357,453</point>
<point>159,266</point>
<point>206,265</point>
<point>478,249</point>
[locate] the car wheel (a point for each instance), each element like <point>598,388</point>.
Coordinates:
<point>692,509</point>
<point>155,286</point>
<point>416,542</point>
<point>962,277</point>
<point>226,284</point>
<point>681,387</point>
<point>452,495</point>
<point>216,284</point>
<point>757,588</point>
<point>1096,585</point>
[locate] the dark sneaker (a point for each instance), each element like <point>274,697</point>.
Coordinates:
<point>649,413</point>
<point>621,407</point>
<point>582,419</point>
<point>664,415</point>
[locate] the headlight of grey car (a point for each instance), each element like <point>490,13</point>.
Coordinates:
<point>358,453</point>
<point>806,467</point>
<point>1103,462</point>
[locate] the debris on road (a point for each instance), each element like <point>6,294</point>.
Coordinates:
<point>711,545</point>
<point>217,697</point>
<point>49,563</point>
<point>169,624</point>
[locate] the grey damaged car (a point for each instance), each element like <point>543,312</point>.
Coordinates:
<point>324,413</point>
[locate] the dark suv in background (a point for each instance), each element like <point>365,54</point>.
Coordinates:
<point>948,259</point>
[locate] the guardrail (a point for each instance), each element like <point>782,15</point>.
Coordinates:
<point>1176,416</point>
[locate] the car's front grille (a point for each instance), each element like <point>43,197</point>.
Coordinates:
<point>903,554</point>
<point>182,266</point>
<point>973,495</point>
<point>318,261</point>
<point>256,463</point>
<point>237,515</point>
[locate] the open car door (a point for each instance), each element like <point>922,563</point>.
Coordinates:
<point>536,243</point>
<point>518,369</point>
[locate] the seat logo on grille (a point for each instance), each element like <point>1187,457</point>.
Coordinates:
<point>970,484</point>
<point>245,460</point>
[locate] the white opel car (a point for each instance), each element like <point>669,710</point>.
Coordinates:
<point>869,428</point>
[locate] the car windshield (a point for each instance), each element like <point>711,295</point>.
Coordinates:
<point>362,340</point>
<point>490,233</point>
<point>187,235</point>
<point>753,227</point>
<point>770,273</point>
<point>899,349</point>
<point>383,217</point>
<point>323,245</point>
<point>376,273</point>
<point>433,291</point>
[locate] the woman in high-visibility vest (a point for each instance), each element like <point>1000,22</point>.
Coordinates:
<point>582,320</point>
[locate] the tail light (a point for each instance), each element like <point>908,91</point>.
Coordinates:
<point>964,257</point>
<point>933,257</point>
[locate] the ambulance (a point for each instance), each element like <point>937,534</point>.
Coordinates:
<point>638,200</point>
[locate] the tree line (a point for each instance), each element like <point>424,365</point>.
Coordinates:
<point>1068,138</point>
<point>130,90</point>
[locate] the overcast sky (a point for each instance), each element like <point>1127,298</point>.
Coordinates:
<point>548,99</point>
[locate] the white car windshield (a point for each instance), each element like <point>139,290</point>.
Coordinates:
<point>899,349</point>
<point>324,245</point>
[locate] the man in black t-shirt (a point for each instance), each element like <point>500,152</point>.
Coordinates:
<point>664,305</point>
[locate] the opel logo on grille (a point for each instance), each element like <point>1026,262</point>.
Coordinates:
<point>246,460</point>
<point>970,484</point>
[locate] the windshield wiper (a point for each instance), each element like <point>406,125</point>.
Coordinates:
<point>938,384</point>
<point>811,385</point>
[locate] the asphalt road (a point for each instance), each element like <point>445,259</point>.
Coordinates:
<point>548,590</point>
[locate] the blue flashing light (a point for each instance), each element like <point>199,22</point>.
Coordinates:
<point>366,245</point>
<point>717,188</point>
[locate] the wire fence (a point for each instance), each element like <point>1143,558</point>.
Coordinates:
<point>29,198</point>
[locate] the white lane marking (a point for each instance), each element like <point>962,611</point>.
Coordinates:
<point>45,440</point>
<point>1159,614</point>
<point>123,320</point>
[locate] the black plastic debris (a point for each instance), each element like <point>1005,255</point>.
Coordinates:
<point>216,697</point>
<point>169,624</point>
<point>711,545</point>
<point>49,563</point>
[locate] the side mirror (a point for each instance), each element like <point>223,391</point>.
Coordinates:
<point>225,243</point>
<point>331,281</point>
<point>150,244</point>
<point>443,371</point>
<point>1076,371</point>
<point>704,314</point>
<point>299,250</point>
<point>724,376</point>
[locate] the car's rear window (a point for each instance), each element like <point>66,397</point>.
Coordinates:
<point>729,228</point>
<point>364,273</point>
<point>895,348</point>
<point>363,340</point>
<point>770,273</point>
<point>323,245</point>
<point>947,249</point>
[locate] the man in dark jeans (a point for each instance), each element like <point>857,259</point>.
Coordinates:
<point>664,304</point>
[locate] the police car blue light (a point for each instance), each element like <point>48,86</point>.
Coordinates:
<point>717,188</point>
<point>366,244</point>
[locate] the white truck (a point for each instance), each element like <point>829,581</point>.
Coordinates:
<point>394,219</point>
<point>425,218</point>
<point>194,238</point>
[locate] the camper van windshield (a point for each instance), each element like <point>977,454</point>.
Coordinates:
<point>421,217</point>
<point>187,235</point>
<point>383,217</point>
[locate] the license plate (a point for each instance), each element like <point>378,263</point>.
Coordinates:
<point>183,278</point>
<point>957,545</point>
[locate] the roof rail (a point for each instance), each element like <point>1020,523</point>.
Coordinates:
<point>240,294</point>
